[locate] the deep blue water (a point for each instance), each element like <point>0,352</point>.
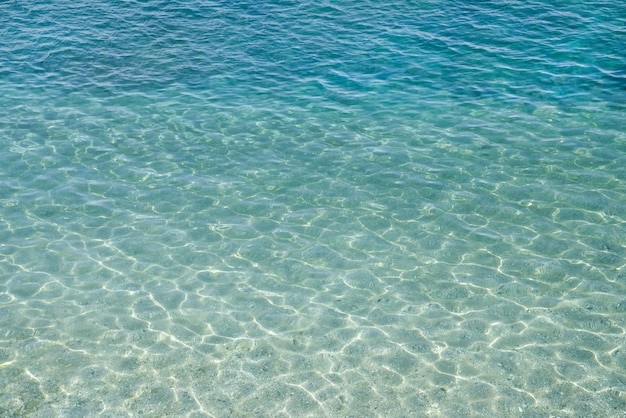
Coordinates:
<point>281,208</point>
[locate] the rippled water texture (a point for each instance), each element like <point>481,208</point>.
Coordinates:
<point>342,209</point>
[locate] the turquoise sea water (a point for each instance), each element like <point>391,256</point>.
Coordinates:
<point>342,209</point>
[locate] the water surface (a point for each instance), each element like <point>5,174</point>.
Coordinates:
<point>278,208</point>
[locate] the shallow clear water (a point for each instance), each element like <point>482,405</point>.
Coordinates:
<point>278,208</point>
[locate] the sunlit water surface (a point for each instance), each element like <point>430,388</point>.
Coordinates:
<point>343,209</point>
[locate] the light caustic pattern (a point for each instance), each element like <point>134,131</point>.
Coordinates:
<point>203,212</point>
